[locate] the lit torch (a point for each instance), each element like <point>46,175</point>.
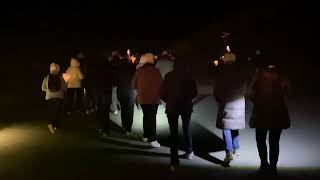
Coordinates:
<point>215,62</point>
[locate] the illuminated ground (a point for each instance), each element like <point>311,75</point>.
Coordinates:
<point>28,151</point>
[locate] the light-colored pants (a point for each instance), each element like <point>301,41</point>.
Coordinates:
<point>114,100</point>
<point>231,139</point>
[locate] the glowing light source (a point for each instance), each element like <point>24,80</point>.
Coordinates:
<point>228,48</point>
<point>216,62</point>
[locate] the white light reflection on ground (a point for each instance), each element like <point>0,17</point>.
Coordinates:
<point>299,144</point>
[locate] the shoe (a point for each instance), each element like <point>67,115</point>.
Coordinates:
<point>172,168</point>
<point>51,130</point>
<point>264,169</point>
<point>273,171</point>
<point>228,158</point>
<point>189,156</point>
<point>236,152</point>
<point>128,133</point>
<point>104,135</point>
<point>154,144</point>
<point>145,140</point>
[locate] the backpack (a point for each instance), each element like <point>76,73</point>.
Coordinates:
<point>54,82</point>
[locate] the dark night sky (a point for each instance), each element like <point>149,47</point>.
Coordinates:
<point>116,23</point>
<point>34,34</point>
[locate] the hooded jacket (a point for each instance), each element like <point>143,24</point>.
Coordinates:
<point>178,90</point>
<point>147,81</point>
<point>124,75</point>
<point>267,92</point>
<point>102,76</point>
<point>75,74</point>
<point>54,69</point>
<point>165,65</point>
<point>229,91</point>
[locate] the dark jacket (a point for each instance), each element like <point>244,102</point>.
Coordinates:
<point>178,90</point>
<point>102,76</point>
<point>230,82</point>
<point>124,76</point>
<point>268,93</point>
<point>147,81</point>
<point>114,65</point>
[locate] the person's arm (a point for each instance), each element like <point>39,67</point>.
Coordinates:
<point>134,80</point>
<point>63,84</point>
<point>80,74</point>
<point>286,89</point>
<point>252,86</point>
<point>44,84</point>
<point>194,89</point>
<point>164,89</point>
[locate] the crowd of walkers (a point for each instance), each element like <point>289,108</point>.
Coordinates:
<point>119,82</point>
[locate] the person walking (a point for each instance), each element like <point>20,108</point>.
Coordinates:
<point>178,90</point>
<point>147,81</point>
<point>114,62</point>
<point>102,90</point>
<point>74,85</point>
<point>125,92</point>
<point>268,92</point>
<point>55,87</point>
<point>229,91</point>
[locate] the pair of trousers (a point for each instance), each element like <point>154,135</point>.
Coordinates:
<point>231,140</point>
<point>103,101</point>
<point>126,100</point>
<point>149,121</point>
<point>71,93</point>
<point>114,100</point>
<point>274,139</point>
<point>54,111</point>
<point>174,124</point>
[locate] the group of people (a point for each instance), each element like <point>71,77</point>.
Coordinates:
<point>268,91</point>
<point>149,81</point>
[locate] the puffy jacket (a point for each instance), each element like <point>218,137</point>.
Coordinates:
<point>147,81</point>
<point>229,91</point>
<point>268,92</point>
<point>50,94</point>
<point>75,74</point>
<point>165,65</point>
<point>178,90</point>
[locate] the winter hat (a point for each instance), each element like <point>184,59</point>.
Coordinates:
<point>229,58</point>
<point>54,68</point>
<point>165,53</point>
<point>147,58</point>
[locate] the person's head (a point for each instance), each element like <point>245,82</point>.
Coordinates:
<point>80,55</point>
<point>74,62</point>
<point>165,53</point>
<point>147,58</point>
<point>123,56</point>
<point>115,53</point>
<point>54,68</point>
<point>258,52</point>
